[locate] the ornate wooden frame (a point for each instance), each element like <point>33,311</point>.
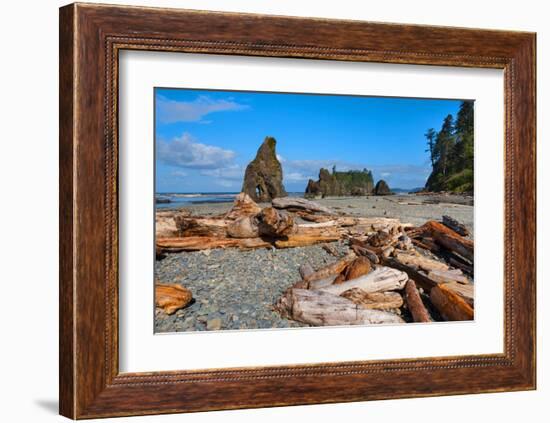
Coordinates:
<point>90,38</point>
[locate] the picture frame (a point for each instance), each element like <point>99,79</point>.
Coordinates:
<point>91,38</point>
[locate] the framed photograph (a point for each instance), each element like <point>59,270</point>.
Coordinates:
<point>263,211</point>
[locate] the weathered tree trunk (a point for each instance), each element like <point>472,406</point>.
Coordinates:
<point>171,297</point>
<point>298,240</point>
<point>197,243</point>
<point>310,217</point>
<point>296,204</point>
<point>379,280</point>
<point>243,227</point>
<point>450,239</point>
<point>450,305</point>
<point>420,261</point>
<point>415,304</point>
<point>456,226</point>
<point>201,226</point>
<point>275,223</point>
<point>243,206</point>
<point>374,300</point>
<point>448,276</point>
<point>165,224</point>
<point>420,279</point>
<point>318,308</point>
<point>465,291</point>
<point>332,269</point>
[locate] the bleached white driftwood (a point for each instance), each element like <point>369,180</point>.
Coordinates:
<point>296,203</point>
<point>320,308</point>
<point>322,283</point>
<point>379,280</point>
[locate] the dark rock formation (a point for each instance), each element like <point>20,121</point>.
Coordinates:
<point>263,178</point>
<point>352,182</point>
<point>382,188</point>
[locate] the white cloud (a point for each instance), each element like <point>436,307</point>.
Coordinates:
<point>226,183</point>
<point>233,172</point>
<point>170,111</point>
<point>186,152</point>
<point>178,174</point>
<point>296,177</point>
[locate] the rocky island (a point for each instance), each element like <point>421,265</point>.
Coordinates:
<point>335,184</point>
<point>344,184</point>
<point>382,188</point>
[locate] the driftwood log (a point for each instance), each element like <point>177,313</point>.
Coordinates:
<point>444,276</point>
<point>171,297</point>
<point>243,227</point>
<point>311,217</point>
<point>331,269</point>
<point>318,308</point>
<point>450,239</point>
<point>379,280</point>
<point>466,291</point>
<point>302,240</point>
<point>197,243</point>
<point>414,303</point>
<point>374,300</point>
<point>421,262</point>
<point>165,224</point>
<point>201,226</point>
<point>450,305</point>
<point>420,278</point>
<point>296,204</point>
<point>243,206</point>
<point>455,225</point>
<point>275,223</point>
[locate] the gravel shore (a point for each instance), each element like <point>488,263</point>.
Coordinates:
<point>234,289</point>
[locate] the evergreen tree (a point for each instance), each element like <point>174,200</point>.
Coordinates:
<point>452,152</point>
<point>431,135</point>
<point>464,130</point>
<point>444,145</point>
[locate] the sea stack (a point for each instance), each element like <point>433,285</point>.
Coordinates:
<point>263,178</point>
<point>382,188</point>
<point>351,182</point>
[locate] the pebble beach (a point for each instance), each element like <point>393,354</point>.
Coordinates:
<point>235,290</point>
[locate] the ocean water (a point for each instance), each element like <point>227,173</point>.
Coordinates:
<point>177,199</point>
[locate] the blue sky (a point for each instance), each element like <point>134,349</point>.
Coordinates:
<point>205,139</point>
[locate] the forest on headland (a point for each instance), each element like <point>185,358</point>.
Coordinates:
<point>452,152</point>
